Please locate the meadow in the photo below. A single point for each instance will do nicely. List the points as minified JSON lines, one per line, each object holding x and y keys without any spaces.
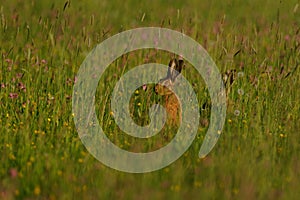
{"x":42,"y":45}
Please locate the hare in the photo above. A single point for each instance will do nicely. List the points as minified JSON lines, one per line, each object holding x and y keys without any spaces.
{"x":171,"y":101}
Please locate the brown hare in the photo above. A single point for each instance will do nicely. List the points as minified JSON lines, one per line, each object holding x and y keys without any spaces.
{"x":171,"y":102}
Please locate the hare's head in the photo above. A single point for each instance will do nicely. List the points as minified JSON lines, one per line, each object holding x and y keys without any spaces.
{"x":175,"y":67}
{"x":171,"y":101}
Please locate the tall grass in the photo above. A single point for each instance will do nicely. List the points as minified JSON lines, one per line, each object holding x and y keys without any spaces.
{"x":42,"y":45}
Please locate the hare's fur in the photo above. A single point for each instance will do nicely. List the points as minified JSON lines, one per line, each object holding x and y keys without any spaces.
{"x":171,"y":101}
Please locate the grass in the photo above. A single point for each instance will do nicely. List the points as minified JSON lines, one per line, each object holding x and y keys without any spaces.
{"x":42,"y":46}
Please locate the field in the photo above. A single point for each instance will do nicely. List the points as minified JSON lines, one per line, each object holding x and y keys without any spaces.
{"x":42,"y":45}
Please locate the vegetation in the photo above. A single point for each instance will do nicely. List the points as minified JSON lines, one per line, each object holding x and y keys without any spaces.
{"x":42,"y":45}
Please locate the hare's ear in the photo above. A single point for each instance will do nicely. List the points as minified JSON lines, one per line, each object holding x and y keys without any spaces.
{"x":173,"y":70}
{"x":180,"y":65}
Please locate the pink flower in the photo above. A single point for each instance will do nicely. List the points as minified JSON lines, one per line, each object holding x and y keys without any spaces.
{"x":22,"y":87}
{"x":13,"y":95}
{"x":8,"y":60}
{"x":144,"y":87}
{"x":13,"y":172}
{"x":287,"y":37}
{"x":19,"y":75}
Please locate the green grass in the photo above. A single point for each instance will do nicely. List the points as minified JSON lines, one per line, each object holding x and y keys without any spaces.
{"x":43,"y":43}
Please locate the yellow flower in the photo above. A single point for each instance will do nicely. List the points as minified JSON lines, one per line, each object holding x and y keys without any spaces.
{"x":17,"y":192}
{"x":175,"y":188}
{"x":12,"y":157}
{"x":235,"y":191}
{"x":197,"y":184}
{"x":59,"y":172}
{"x":139,"y":104}
{"x":282,"y":135}
{"x":37,"y":190}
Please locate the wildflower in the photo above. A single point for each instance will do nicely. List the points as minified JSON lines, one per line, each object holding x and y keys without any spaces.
{"x":235,"y":191}
{"x":287,"y":37}
{"x":240,"y":74}
{"x":13,"y":95}
{"x":8,"y":60}
{"x":69,"y":81}
{"x":3,"y":85}
{"x":17,"y":192}
{"x":59,"y":172}
{"x":50,"y":97}
{"x":13,"y":173}
{"x":136,"y":92}
{"x":240,"y":91}
{"x":144,"y":87}
{"x":43,"y":61}
{"x":139,"y":104}
{"x":22,"y":87}
{"x":37,"y":190}
{"x":282,"y":135}
{"x":197,"y":184}
{"x":24,"y":105}
{"x":237,"y":112}
{"x":19,"y":75}
{"x":175,"y":188}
